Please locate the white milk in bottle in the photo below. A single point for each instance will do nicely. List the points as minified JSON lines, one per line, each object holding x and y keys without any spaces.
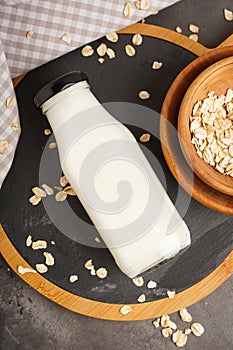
{"x":123,"y":197}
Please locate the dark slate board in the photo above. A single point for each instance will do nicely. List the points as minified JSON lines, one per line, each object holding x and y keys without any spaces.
{"x":116,"y":80}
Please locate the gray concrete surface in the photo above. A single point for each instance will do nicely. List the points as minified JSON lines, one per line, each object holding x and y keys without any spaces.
{"x":28,"y":321}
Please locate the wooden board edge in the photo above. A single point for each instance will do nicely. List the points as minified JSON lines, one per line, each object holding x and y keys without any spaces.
{"x":109,"y":311}
{"x":161,"y":33}
{"x":166,"y":34}
{"x":17,"y":80}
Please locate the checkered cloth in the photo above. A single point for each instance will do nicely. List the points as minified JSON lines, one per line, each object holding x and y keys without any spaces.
{"x":85,"y":20}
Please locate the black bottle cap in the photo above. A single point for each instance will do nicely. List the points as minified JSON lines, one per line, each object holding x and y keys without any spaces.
{"x":57,"y":85}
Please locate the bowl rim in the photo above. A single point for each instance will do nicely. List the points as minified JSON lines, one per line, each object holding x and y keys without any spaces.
{"x":202,"y":169}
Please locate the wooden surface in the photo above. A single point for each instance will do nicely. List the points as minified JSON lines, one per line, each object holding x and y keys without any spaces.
{"x":111,"y":310}
{"x":218,"y":78}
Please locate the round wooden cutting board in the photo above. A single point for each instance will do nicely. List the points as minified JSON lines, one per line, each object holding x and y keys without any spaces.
{"x":193,"y":274}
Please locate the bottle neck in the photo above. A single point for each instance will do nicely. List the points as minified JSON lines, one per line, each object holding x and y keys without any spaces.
{"x":63,"y":94}
{"x":65,"y":104}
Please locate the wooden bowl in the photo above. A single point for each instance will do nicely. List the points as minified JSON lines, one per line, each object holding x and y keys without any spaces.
{"x":218,"y":78}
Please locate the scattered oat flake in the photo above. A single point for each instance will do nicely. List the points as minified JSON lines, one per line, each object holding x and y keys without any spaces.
{"x":130,"y":50}
{"x":29,"y":34}
{"x":111,"y":53}
{"x":151,"y":284}
{"x":138,"y":4}
{"x":88,"y":265}
{"x":171,"y":325}
{"x":156,"y":323}
{"x":15,"y":127}
{"x":137,"y":39}
{"x":41,"y":268}
{"x":171,"y":294}
{"x":53,"y":243}
{"x":228,"y":14}
{"x":47,"y":132}
{"x":35,"y":200}
{"x":3,"y":145}
{"x":157,"y":65}
{"x":66,"y":37}
{"x":59,"y":188}
{"x":29,"y":241}
{"x":63,"y":181}
{"x":22,"y":270}
{"x":145,"y":138}
{"x":102,"y":272}
{"x":176,"y":335}
{"x":138,"y":281}
{"x":185,"y":315}
{"x":49,"y":259}
{"x":87,"y":51}
{"x":197,"y":329}
{"x":101,"y":60}
{"x":187,"y":331}
{"x":69,"y":190}
{"x":142,"y":4}
{"x":93,"y":271}
{"x":128,"y":10}
{"x":141,"y":298}
{"x":38,"y":192}
{"x":61,"y":196}
{"x":97,"y":240}
{"x":102,"y":49}
{"x":143,"y":21}
{"x":144,"y":95}
{"x":125,"y":309}
{"x":193,"y":37}
{"x":73,"y":278}
{"x":182,"y":340}
{"x":179,"y":29}
{"x":52,"y":145}
{"x":166,"y":332}
{"x":48,"y":189}
{"x":164,"y":320}
{"x":9,"y":101}
{"x":145,"y":4}
{"x":179,"y":338}
{"x":113,"y":37}
{"x":40,"y":244}
{"x":193,"y":28}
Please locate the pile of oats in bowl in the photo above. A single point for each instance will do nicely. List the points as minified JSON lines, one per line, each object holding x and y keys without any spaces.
{"x":211,"y":127}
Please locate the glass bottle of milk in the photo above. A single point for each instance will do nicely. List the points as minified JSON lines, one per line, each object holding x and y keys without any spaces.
{"x":112,"y":177}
